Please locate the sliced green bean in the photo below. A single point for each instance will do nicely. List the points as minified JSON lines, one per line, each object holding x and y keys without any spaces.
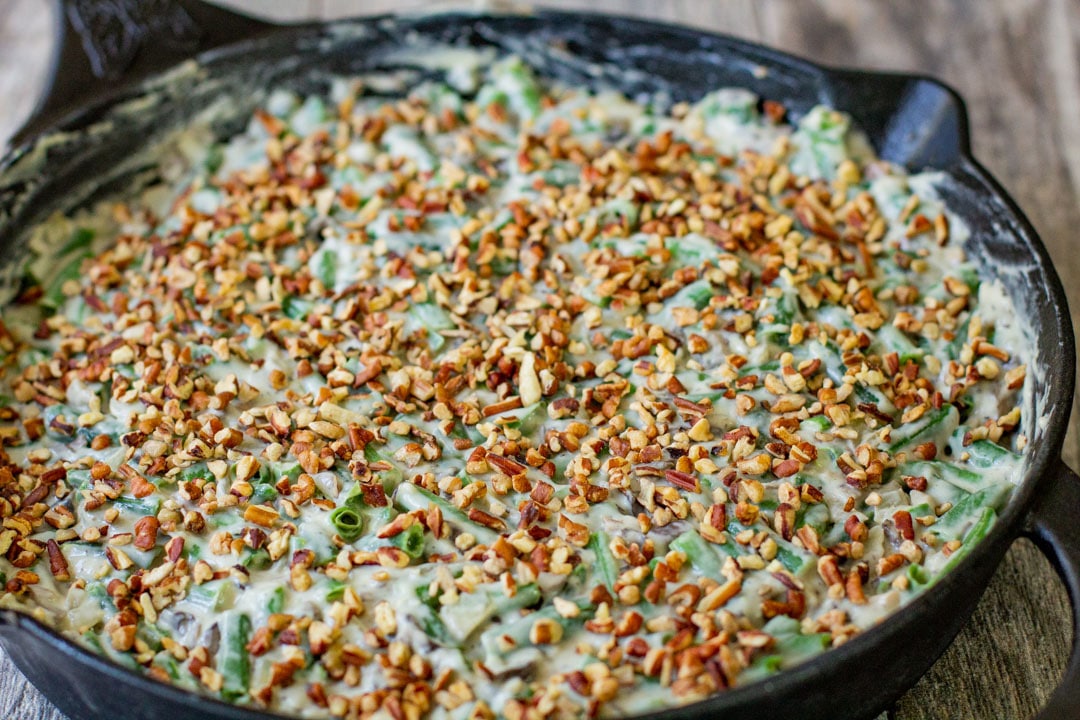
{"x":699,"y":552}
{"x":935,"y":425}
{"x":411,"y":541}
{"x":349,"y":523}
{"x":413,"y":497}
{"x":235,"y":661}
{"x":605,"y":566}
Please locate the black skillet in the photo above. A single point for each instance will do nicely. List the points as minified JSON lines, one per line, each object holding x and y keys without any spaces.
{"x":915,"y":121}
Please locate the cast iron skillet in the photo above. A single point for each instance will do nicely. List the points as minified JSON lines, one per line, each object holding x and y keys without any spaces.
{"x":910,"y":120}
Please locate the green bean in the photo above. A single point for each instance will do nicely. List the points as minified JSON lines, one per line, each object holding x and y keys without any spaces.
{"x":279,"y":470}
{"x":517,"y":81}
{"x":959,"y":477}
{"x":71,"y":270}
{"x":891,"y":339}
{"x":970,"y":510}
{"x":235,"y":661}
{"x":761,"y":667}
{"x":786,"y":306}
{"x":939,"y":423}
{"x":696,"y":294}
{"x":193,"y":472}
{"x":295,"y":307}
{"x":791,"y":557}
{"x":984,"y":454}
{"x":390,"y":477}
{"x":517,"y":632}
{"x":79,"y":479}
{"x":256,"y":559}
{"x":411,"y":541}
{"x":954,"y":348}
{"x":168,"y":663}
{"x":462,"y":619}
{"x":530,"y":420}
{"x":413,"y":497}
{"x":432,"y":318}
{"x":152,"y":635}
{"x":977,"y":532}
{"x":214,"y":596}
{"x":336,"y":591}
{"x":353,"y":497}
{"x":80,"y":239}
{"x":699,"y":552}
{"x":140,"y":506}
{"x":349,"y":523}
{"x":276,"y":603}
{"x":326,"y":270}
{"x":606,"y":566}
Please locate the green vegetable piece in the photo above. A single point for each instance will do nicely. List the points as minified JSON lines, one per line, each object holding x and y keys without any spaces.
{"x":699,"y":552}
{"x":235,"y":661}
{"x":413,"y":497}
{"x":215,"y":157}
{"x":815,"y":424}
{"x":431,"y":318}
{"x":194,"y":472}
{"x":791,"y":557}
{"x":985,"y":454}
{"x":696,"y":295}
{"x":518,"y":631}
{"x":326,"y":270}
{"x":71,"y":270}
{"x":966,"y":480}
{"x":935,"y":426}
{"x":214,"y":596}
{"x":349,"y":523}
{"x":970,"y":511}
{"x":516,"y":80}
{"x":285,"y":470}
{"x":354,"y":497}
{"x":276,"y":603}
{"x":786,"y":306}
{"x":411,"y":541}
{"x":761,"y":667}
{"x":79,"y":479}
{"x":978,"y":531}
{"x":296,"y":308}
{"x":605,"y":567}
{"x":140,"y":506}
{"x":918,"y":576}
{"x":80,"y":239}
{"x":336,"y":592}
{"x":892,"y":339}
{"x":391,"y":477}
{"x":168,"y":663}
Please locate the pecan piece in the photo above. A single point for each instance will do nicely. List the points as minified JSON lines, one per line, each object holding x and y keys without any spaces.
{"x":146,"y":529}
{"x":57,"y":562}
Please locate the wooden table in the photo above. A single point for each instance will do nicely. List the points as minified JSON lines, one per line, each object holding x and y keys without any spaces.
{"x":1016,"y":62}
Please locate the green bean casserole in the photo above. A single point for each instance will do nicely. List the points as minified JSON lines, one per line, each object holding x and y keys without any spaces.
{"x":500,"y":398}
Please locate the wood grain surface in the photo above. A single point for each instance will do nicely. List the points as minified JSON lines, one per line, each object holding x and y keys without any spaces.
{"x":1016,"y":64}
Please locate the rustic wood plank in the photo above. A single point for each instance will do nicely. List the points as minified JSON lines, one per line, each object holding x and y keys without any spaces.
{"x":25,"y":32}
{"x":1015,"y":62}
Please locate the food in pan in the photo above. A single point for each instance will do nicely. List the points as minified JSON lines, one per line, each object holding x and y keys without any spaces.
{"x":501,"y":399}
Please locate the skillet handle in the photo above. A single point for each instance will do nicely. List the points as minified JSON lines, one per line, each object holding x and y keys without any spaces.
{"x":102,"y":45}
{"x":1055,"y":529}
